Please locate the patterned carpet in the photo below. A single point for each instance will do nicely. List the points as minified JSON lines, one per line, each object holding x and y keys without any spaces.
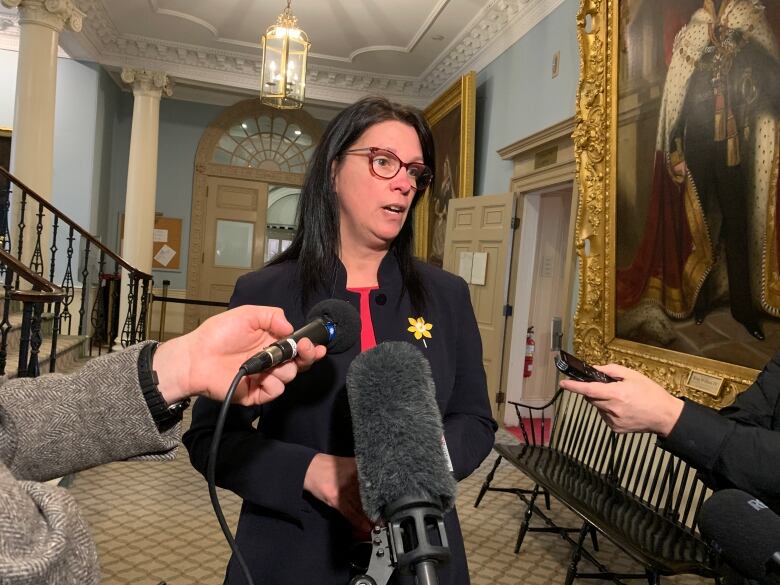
{"x":153,"y":521}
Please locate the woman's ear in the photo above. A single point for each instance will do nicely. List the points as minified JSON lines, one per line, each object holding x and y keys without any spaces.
{"x":334,"y":173}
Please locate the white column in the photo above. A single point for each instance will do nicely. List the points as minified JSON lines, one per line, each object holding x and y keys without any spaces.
{"x":32,"y":148}
{"x":140,"y":199}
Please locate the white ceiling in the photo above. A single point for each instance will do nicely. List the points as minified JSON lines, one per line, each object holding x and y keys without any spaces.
{"x":409,"y":50}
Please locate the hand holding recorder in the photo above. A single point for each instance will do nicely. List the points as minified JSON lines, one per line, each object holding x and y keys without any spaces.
{"x":628,"y":401}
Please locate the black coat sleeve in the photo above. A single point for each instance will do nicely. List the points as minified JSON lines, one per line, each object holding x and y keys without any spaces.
{"x":738,"y":446}
{"x":264,"y":471}
{"x":469,"y":428}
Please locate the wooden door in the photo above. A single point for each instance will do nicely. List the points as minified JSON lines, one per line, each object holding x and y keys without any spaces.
{"x":234,"y":236}
{"x":548,"y":297}
{"x":484,"y":224}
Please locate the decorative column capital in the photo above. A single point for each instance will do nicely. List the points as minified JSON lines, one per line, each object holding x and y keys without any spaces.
{"x":54,"y":14}
{"x":147,"y":83}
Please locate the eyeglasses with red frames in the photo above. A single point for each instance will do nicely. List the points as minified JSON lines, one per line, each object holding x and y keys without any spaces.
{"x":384,"y":164}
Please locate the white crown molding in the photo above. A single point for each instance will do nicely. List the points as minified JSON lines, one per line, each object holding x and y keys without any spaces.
{"x":53,"y":14}
{"x":491,"y":32}
{"x":494,"y":29}
{"x":10,"y":33}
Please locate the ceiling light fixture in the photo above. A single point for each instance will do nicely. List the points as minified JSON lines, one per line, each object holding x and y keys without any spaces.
{"x":283,"y":71}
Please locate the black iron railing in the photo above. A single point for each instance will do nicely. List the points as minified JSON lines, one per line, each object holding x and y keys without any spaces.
{"x":164,"y":299}
{"x":101,"y":322}
{"x":40,"y":292}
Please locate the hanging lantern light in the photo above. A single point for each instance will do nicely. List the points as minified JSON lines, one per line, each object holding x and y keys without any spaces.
{"x":283,"y":72}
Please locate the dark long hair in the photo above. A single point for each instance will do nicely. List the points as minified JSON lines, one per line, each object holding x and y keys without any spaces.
{"x":315,"y":247}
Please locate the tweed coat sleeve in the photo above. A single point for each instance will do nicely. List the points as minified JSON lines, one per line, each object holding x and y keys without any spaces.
{"x":54,"y":425}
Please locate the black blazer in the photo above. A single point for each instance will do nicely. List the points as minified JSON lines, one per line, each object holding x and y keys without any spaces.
{"x":286,"y":535}
{"x":738,"y":446}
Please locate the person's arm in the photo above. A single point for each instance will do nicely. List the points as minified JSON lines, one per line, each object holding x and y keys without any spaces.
{"x":729,"y":448}
{"x":57,"y":424}
{"x":469,"y":428}
{"x":44,"y":538}
{"x":61,"y":423}
{"x":736,"y":446}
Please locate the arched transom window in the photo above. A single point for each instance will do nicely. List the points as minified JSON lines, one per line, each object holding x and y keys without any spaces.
{"x":268,"y":142}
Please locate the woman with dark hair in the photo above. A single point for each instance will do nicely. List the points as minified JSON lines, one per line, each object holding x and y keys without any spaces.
{"x":295,"y":469}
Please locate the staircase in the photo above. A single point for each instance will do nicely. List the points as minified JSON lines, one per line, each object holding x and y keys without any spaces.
{"x":47,"y":326}
{"x":72,"y":350}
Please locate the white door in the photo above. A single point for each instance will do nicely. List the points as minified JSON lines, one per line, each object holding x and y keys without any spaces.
{"x":484,"y":224}
{"x":234,"y":236}
{"x":548,"y":292}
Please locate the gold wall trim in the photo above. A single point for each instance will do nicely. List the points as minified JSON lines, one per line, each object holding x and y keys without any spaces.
{"x":462,"y":93}
{"x":595,"y":139}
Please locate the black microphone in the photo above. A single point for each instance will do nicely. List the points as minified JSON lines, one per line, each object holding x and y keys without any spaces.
{"x":402,"y":467}
{"x":332,"y":322}
{"x":744,"y":530}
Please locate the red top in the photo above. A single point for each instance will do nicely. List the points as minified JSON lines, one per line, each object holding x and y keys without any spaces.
{"x":367,"y":338}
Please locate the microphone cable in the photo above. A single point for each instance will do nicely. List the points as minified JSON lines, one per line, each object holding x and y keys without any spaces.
{"x":211,"y":474}
{"x":327,"y":315}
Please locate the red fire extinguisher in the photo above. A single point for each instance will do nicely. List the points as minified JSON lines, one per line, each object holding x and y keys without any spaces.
{"x":529,"y":353}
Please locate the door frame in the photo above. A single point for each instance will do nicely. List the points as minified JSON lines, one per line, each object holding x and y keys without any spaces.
{"x":205,"y":168}
{"x":542,"y":163}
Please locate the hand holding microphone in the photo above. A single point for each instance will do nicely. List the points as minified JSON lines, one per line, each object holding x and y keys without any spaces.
{"x":331,"y":322}
{"x":204,"y":361}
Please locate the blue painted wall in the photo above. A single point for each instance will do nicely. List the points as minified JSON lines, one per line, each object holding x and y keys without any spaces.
{"x":181,"y":126}
{"x":8,"y":61}
{"x":75,"y":124}
{"x":517,"y":95}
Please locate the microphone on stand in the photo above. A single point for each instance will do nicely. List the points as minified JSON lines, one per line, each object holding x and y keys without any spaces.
{"x":745,"y":531}
{"x":402,"y":467}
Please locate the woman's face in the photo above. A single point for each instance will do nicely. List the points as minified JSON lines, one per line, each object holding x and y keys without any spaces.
{"x":372,"y":209}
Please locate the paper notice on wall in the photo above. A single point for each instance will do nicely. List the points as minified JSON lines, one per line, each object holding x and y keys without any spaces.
{"x":465,"y":259}
{"x":160,"y":236}
{"x":165,"y":255}
{"x":479,"y":268}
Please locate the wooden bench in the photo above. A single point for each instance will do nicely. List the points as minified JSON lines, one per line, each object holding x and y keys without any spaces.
{"x":625,"y":487}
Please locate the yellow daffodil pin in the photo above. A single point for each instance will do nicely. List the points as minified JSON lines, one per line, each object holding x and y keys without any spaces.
{"x":420,"y":328}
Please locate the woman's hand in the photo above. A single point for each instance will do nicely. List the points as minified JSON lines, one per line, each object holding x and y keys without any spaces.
{"x":334,"y":481}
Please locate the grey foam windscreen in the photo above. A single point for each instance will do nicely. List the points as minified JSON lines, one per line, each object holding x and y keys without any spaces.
{"x":745,"y":529}
{"x":346,"y":319}
{"x":397,"y":428}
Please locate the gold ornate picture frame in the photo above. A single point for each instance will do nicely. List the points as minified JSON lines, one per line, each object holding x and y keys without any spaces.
{"x":452,"y":118}
{"x":599,"y":120}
